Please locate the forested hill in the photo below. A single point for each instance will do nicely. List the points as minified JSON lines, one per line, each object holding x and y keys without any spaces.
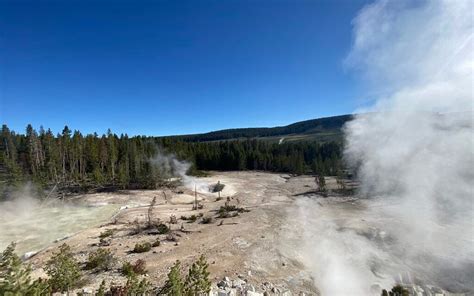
{"x":72,"y":159}
{"x":322,"y":129}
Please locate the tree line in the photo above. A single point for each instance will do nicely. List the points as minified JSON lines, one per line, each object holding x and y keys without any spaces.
{"x":72,"y":159}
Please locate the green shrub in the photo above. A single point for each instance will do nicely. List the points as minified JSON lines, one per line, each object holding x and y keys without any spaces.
{"x":227,"y":211}
{"x":127,"y":268}
{"x":138,"y":268}
{"x":156,"y":243}
{"x":162,"y":228}
{"x":63,"y":270}
{"x":101,"y":259}
{"x":141,"y":248}
{"x":218,"y":187}
{"x":107,"y":233}
{"x":190,"y":219}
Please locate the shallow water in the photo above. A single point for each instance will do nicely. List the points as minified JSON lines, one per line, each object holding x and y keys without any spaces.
{"x":33,"y":225}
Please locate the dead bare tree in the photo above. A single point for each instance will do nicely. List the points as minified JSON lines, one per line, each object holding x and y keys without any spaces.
{"x":150,"y":212}
{"x":173,"y":219}
{"x":195,"y":205}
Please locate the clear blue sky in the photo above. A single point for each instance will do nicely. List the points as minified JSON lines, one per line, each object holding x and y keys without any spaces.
{"x":173,"y":67}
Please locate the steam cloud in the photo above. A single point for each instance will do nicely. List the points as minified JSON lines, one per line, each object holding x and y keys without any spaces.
{"x":413,"y":151}
{"x":416,"y":146}
{"x":170,"y":166}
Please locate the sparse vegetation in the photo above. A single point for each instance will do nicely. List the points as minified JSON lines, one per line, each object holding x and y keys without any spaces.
{"x":101,"y":290}
{"x":228,"y":211}
{"x":142,"y":248}
{"x":162,"y":228}
{"x":63,"y":270}
{"x":127,"y":268}
{"x":133,"y":287}
{"x":156,"y":243}
{"x":138,"y":268}
{"x":136,"y":227}
{"x":104,"y":242}
{"x":101,"y":260}
{"x":190,"y":219}
{"x":107,"y":233}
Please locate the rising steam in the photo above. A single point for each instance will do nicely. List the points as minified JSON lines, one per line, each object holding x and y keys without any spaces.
{"x":170,"y":166}
{"x":413,"y":152}
{"x":416,"y":146}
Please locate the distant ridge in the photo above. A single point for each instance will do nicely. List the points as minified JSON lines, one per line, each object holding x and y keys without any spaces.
{"x":322,"y":129}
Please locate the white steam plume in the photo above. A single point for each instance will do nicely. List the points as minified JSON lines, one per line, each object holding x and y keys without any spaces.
{"x":170,"y":166}
{"x":413,"y":150}
{"x":416,"y":146}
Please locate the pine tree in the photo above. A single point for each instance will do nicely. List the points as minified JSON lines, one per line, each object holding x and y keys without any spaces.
{"x":112,"y":153}
{"x":15,"y":277}
{"x":101,"y":291}
{"x":197,"y":280}
{"x":174,"y":285}
{"x":8,"y":157}
{"x":63,"y":270}
{"x":35,"y":151}
{"x":65,"y":140}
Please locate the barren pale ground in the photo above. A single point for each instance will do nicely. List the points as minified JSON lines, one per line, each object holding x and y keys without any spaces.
{"x":277,"y":241}
{"x":247,"y":244}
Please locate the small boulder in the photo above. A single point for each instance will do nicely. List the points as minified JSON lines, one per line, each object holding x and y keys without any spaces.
{"x":238,"y":283}
{"x":249,"y":288}
{"x":223,"y":284}
{"x":87,"y":291}
{"x":250,"y":293}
